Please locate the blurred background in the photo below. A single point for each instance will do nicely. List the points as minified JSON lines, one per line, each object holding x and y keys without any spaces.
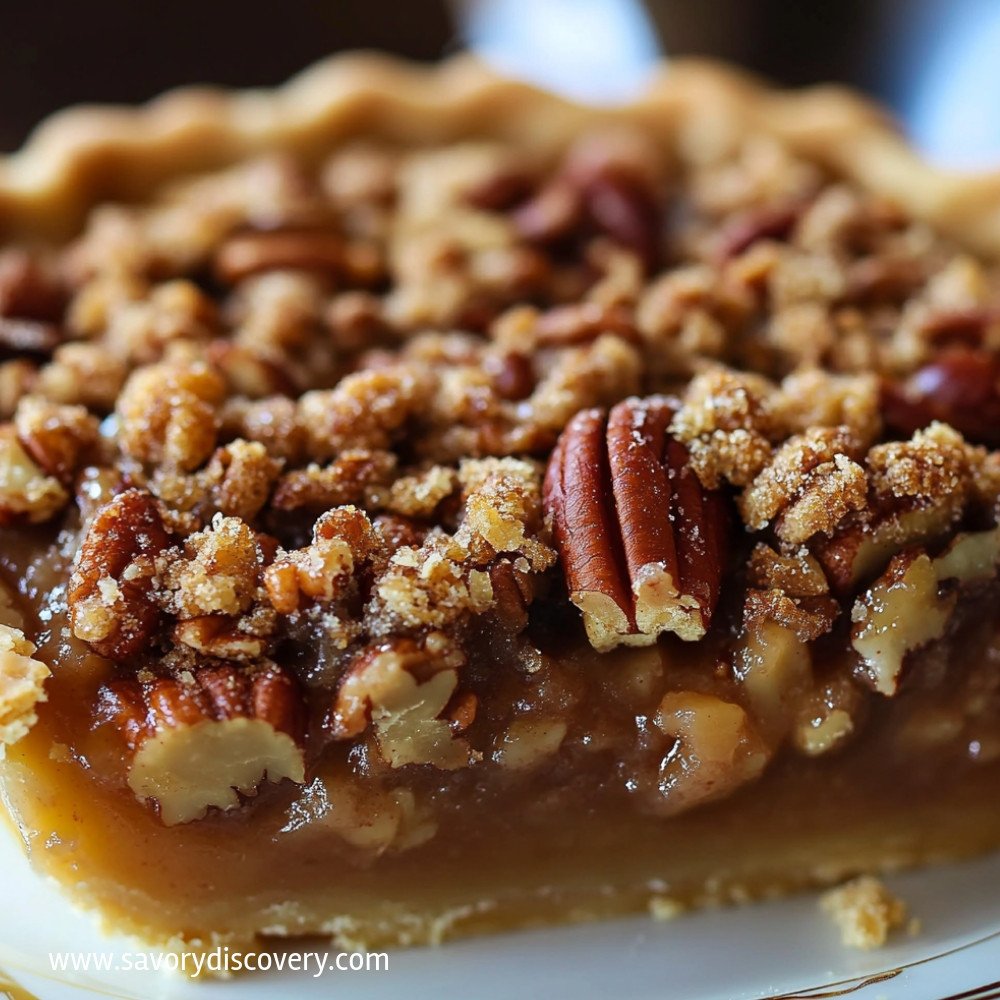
{"x":936,"y":63}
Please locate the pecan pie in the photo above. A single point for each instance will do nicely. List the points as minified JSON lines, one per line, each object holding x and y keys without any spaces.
{"x":430,"y":507}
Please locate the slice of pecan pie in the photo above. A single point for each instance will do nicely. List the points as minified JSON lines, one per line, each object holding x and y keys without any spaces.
{"x":430,"y":507}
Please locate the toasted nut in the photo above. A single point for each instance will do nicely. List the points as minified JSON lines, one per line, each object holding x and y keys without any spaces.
{"x":500,"y":190}
{"x":828,"y":716}
{"x":167,"y":414}
{"x":247,"y":372}
{"x":343,"y":540}
{"x":361,"y":814}
{"x":859,"y":551}
{"x":798,"y":574}
{"x":22,"y":680}
{"x":583,"y":322}
{"x":626,"y":478}
{"x":529,"y":742}
{"x":717,"y":749}
{"x":971,"y":557}
{"x":961,"y":388}
{"x":774,"y":665}
{"x":402,"y":688}
{"x":899,"y":613}
{"x":343,"y":481}
{"x":57,"y":437}
{"x":202,"y":741}
{"x":511,"y":594}
{"x":550,"y":214}
{"x":26,"y":492}
{"x":251,"y":253}
{"x":512,"y":375}
{"x":111,"y":603}
{"x":216,"y":571}
{"x":906,"y":608}
{"x":622,"y":205}
{"x":810,"y":485}
{"x":219,"y":636}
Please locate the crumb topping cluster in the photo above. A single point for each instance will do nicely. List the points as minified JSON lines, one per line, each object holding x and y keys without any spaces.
{"x":298,"y":419}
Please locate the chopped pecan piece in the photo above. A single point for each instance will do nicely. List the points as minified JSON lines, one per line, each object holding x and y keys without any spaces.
{"x":605,"y":185}
{"x":899,"y":613}
{"x":167,"y":414}
{"x":221,"y":637}
{"x":215,"y":571}
{"x":250,"y":253}
{"x":512,"y":374}
{"x":907,"y":607}
{"x":201,"y":741}
{"x":642,"y":541}
{"x":773,"y":663}
{"x":919,"y":490}
{"x":111,"y":601}
{"x":811,"y":483}
{"x":716,"y":749}
{"x":57,"y":437}
{"x":550,"y":214}
{"x":343,"y":481}
{"x":727,"y":422}
{"x":343,"y":541}
{"x":26,"y":492}
{"x":402,"y":688}
{"x":828,"y":716}
{"x":22,"y":680}
{"x":585,"y":321}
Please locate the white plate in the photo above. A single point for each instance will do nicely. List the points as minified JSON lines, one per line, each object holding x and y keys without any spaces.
{"x":768,"y":950}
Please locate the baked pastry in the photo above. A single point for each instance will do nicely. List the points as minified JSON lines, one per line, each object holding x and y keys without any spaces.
{"x":431,"y":507}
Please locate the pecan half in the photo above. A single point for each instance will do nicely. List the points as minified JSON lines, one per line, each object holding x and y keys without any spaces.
{"x":251,"y":253}
{"x":960,"y":387}
{"x":642,"y":541}
{"x":111,"y":604}
{"x":205,"y":739}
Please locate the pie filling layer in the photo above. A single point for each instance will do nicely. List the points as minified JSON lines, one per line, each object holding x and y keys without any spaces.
{"x":452,"y":539}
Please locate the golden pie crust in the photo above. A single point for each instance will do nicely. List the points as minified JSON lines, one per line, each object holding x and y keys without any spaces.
{"x":85,"y":154}
{"x":720,"y":541}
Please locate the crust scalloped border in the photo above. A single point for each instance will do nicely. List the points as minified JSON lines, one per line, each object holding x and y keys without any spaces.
{"x":83,"y":155}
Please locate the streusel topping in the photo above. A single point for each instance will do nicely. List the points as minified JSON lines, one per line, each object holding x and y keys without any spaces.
{"x":294,"y":423}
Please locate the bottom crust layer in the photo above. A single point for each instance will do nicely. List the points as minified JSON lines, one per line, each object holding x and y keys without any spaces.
{"x":801,"y":826}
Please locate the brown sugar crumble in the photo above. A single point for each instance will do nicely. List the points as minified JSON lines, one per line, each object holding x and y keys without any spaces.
{"x":866,"y":912}
{"x":350,"y":456}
